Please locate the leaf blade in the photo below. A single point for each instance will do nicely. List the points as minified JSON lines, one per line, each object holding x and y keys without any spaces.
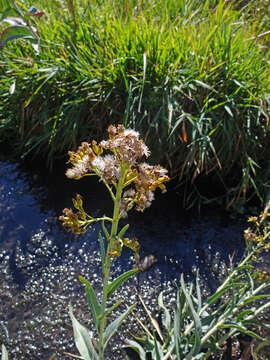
{"x":92,"y":300}
{"x":82,"y":339}
{"x":4,"y":353}
{"x":115,"y":284}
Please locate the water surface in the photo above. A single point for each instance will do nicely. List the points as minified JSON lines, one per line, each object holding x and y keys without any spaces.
{"x":40,"y":262}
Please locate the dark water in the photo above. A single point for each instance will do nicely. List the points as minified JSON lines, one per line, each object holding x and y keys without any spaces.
{"x":40,"y":263}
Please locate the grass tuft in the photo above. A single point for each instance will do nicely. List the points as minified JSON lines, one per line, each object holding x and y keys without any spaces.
{"x":193,"y":77}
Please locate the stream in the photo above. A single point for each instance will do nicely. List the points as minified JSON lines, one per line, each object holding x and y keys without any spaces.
{"x":40,"y":262}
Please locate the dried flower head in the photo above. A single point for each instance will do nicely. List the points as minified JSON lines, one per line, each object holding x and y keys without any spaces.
{"x":125,"y":144}
{"x":260,"y":235}
{"x":81,"y":161}
{"x":107,"y":167}
{"x":73,"y":221}
{"x":119,"y":170}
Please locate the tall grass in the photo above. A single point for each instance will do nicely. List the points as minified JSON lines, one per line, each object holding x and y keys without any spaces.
{"x":191,"y":76}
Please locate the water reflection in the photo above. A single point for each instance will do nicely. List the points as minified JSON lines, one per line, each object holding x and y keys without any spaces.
{"x":40,"y":263}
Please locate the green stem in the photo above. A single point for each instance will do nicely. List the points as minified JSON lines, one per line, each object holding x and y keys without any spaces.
{"x":107,"y":267}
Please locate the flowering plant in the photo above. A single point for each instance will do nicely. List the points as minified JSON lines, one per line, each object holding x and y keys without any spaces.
{"x":232,"y":320}
{"x":130,"y":184}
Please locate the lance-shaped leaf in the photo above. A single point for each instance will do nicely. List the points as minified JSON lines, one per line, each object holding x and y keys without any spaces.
{"x":198,"y":326}
{"x":217,"y":295}
{"x":116,"y":283}
{"x":113,"y":326}
{"x":241,"y":329}
{"x":176,"y":332}
{"x":255,"y":298}
{"x":123,"y":231}
{"x":92,"y":300}
{"x":157,"y":351}
{"x":82,"y":339}
{"x":106,"y":233}
{"x":114,"y":306}
{"x":166,"y":319}
{"x":4,"y":353}
{"x":198,"y":290}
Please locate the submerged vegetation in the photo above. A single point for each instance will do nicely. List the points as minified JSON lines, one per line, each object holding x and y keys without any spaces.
{"x":191,"y":76}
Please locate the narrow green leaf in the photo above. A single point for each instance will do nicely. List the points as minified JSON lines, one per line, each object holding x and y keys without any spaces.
{"x":254,"y":298}
{"x":204,"y":85}
{"x":106,"y":233}
{"x":114,"y":285}
{"x":176,"y":332}
{"x":82,"y":339}
{"x":190,"y":304}
{"x":114,"y":306}
{"x":178,"y":123}
{"x":251,"y":282}
{"x":113,"y":326}
{"x":198,"y":291}
{"x":217,"y":295}
{"x":166,"y":319}
{"x":4,"y":353}
{"x":228,"y":109}
{"x":198,"y":326}
{"x":47,"y":78}
{"x":143,"y":81}
{"x":157,"y":351}
{"x":123,"y":230}
{"x":92,"y":300}
{"x":243,"y":314}
{"x":242,"y":330}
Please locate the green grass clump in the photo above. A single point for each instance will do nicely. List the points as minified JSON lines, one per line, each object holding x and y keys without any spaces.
{"x":193,"y":77}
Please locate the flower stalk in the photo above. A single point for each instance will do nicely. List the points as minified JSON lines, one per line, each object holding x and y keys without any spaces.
{"x":131,"y":185}
{"x":110,"y":250}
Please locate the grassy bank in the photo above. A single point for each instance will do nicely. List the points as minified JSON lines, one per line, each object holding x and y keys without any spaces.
{"x":193,"y":77}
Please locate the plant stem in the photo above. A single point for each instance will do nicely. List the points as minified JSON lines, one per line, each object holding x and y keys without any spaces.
{"x":107,"y":267}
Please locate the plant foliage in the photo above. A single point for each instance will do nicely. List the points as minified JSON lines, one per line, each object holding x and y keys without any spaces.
{"x":202,"y":328}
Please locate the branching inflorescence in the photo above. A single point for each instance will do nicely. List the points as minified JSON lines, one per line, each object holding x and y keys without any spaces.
{"x":131,"y":185}
{"x":137,"y":181}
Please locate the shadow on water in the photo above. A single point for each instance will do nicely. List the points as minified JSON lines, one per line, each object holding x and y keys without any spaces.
{"x":40,"y":263}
